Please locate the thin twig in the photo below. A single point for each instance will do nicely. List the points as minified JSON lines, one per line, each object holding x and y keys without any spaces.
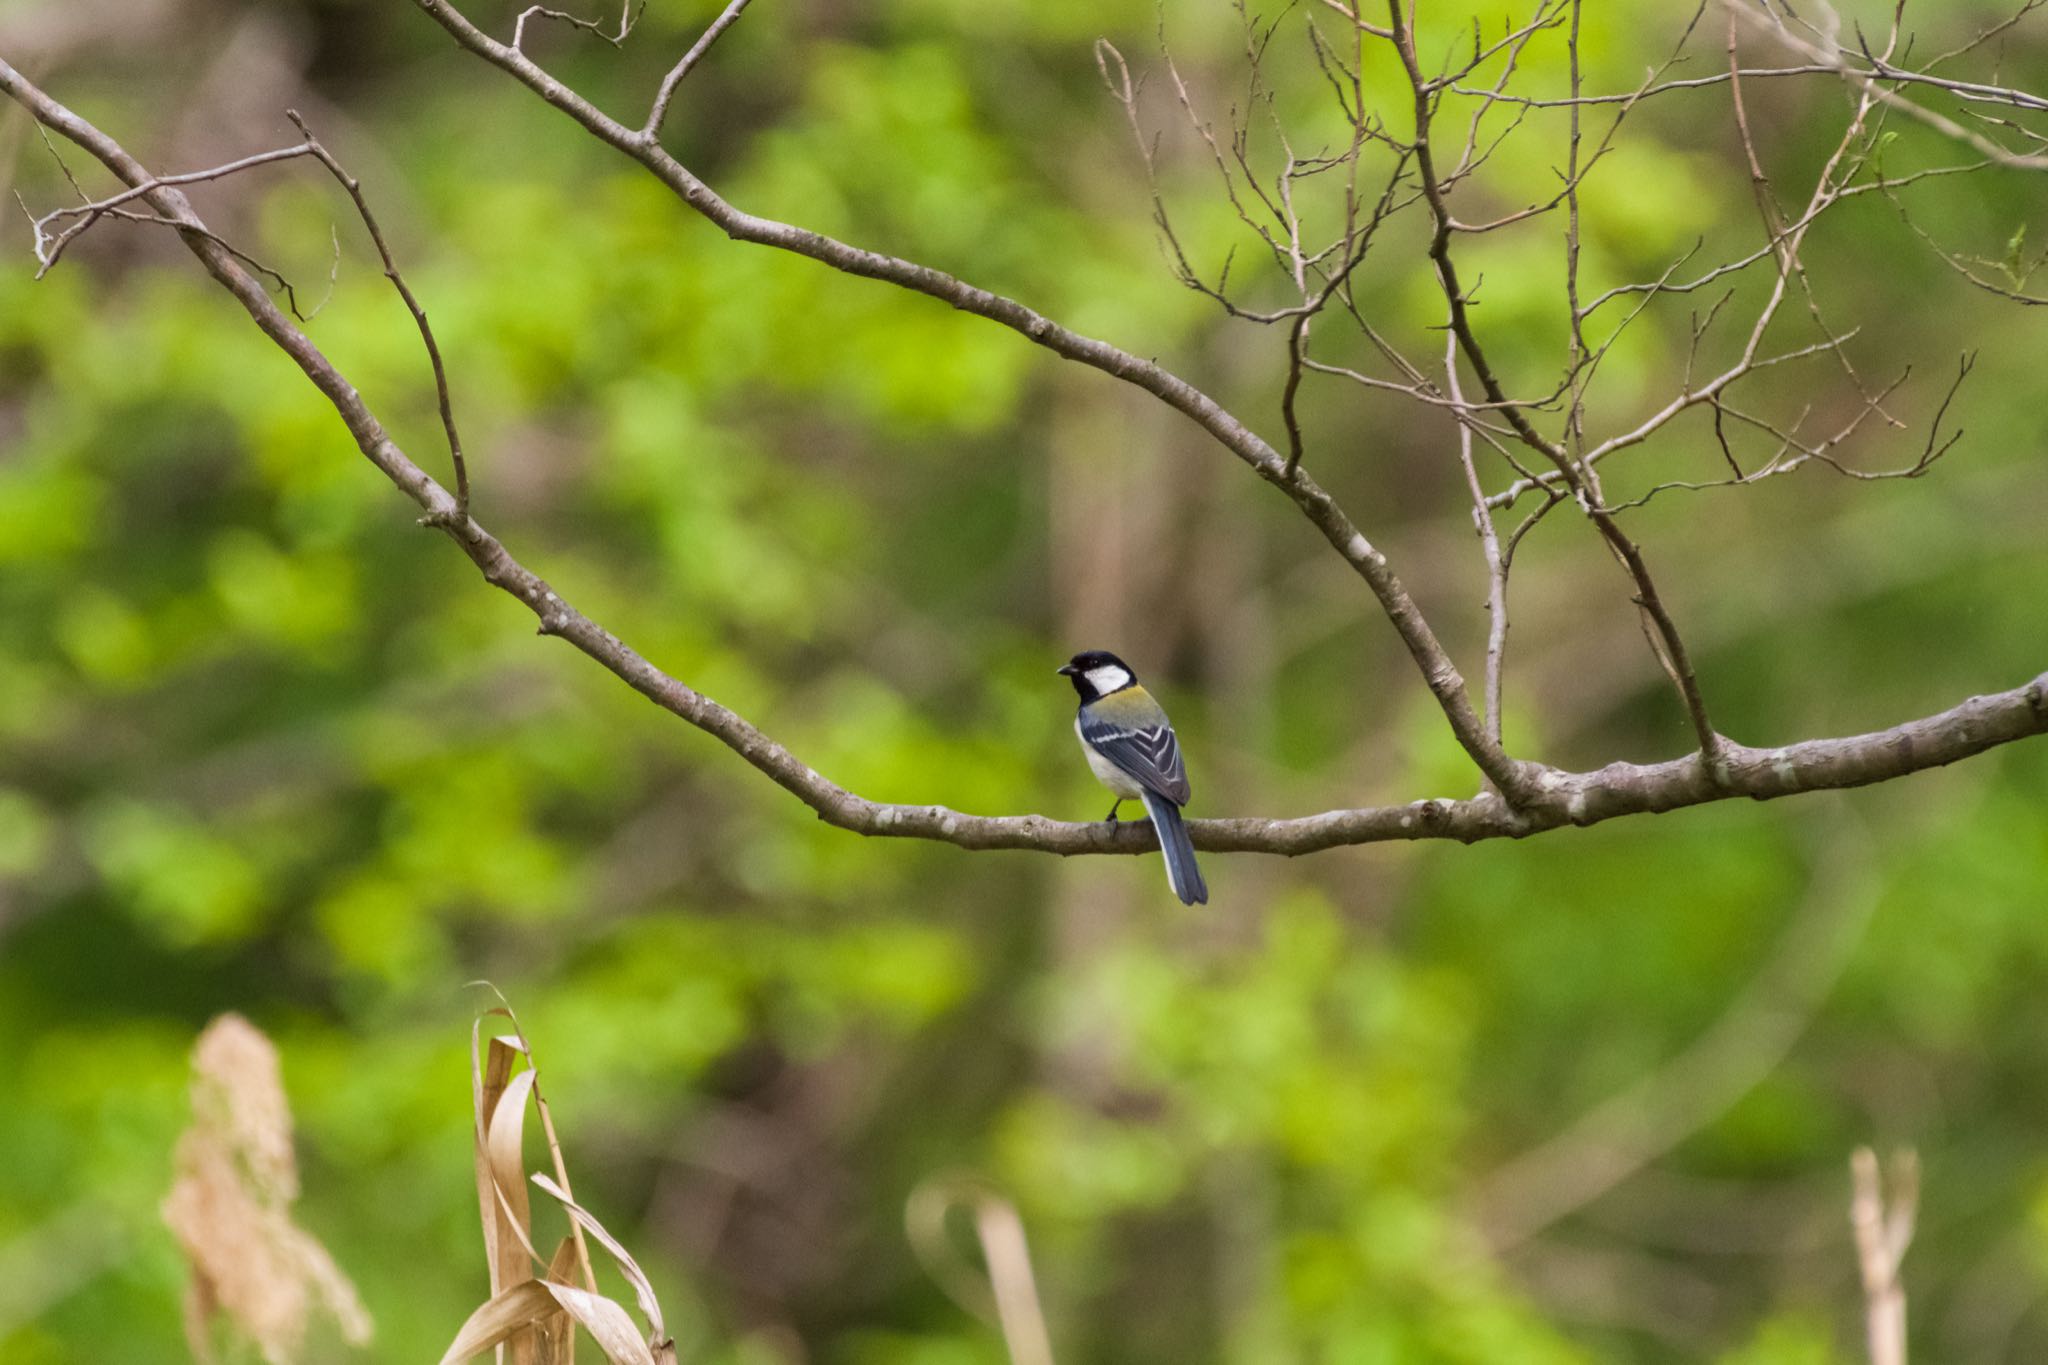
{"x":1669,"y":648}
{"x":658,"y":115}
{"x":629,"y":15}
{"x":49,"y":247}
{"x":1489,"y":545}
{"x":419,"y":315}
{"x":1874,"y":84}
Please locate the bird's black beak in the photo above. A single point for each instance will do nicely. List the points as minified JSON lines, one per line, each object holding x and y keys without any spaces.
{"x":1066,"y":670}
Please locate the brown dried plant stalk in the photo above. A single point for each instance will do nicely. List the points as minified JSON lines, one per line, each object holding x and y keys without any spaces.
{"x":529,"y":1318}
{"x":255,"y":1272}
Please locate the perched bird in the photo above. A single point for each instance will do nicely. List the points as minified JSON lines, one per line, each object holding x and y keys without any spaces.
{"x":1131,"y":747}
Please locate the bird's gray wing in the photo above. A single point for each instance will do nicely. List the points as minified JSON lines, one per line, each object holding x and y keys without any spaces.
{"x":1148,"y":752}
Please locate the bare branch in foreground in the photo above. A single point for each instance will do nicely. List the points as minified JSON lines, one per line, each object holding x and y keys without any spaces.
{"x":51,"y":240}
{"x":1010,"y":1294}
{"x":1883,"y":1231}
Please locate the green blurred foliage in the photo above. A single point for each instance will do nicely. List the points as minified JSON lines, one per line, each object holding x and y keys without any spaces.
{"x":265,"y":745}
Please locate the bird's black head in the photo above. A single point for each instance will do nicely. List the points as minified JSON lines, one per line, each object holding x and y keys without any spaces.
{"x":1097,"y":673}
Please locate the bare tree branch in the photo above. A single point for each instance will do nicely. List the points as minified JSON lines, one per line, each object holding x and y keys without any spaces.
{"x":49,"y":249}
{"x":1873,"y":77}
{"x":629,"y":15}
{"x":669,"y":83}
{"x":1669,"y":647}
{"x":1529,"y":797}
{"x":1512,"y":777}
{"x":412,"y":305}
{"x":1497,"y":564}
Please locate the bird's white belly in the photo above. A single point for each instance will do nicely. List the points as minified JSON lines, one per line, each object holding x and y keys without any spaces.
{"x":1106,"y":772}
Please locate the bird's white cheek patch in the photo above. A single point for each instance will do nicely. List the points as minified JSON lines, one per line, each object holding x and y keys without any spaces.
{"x":1108,"y":678}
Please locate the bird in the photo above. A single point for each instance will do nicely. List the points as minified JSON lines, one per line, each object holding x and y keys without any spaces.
{"x":1132,"y":749}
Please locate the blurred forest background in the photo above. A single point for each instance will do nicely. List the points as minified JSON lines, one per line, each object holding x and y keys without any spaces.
{"x":267,"y":746}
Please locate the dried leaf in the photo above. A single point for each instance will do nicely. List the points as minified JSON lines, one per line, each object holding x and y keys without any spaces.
{"x":513,"y":1315}
{"x":510,"y":1313}
{"x":608,"y":1324}
{"x":643,"y":1291}
{"x":532,"y":1322}
{"x":1010,"y":1289}
{"x":487,"y":1079}
{"x":516,"y":1255}
{"x":562,"y":1267}
{"x":508,"y":1172}
{"x":503,"y":1049}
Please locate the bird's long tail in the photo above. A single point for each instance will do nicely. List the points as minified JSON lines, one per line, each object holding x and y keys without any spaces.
{"x":1181,"y":872}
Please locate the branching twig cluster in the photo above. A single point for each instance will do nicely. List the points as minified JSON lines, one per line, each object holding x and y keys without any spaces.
{"x":57,"y":229}
{"x":1565,"y":463}
{"x":1412,"y":159}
